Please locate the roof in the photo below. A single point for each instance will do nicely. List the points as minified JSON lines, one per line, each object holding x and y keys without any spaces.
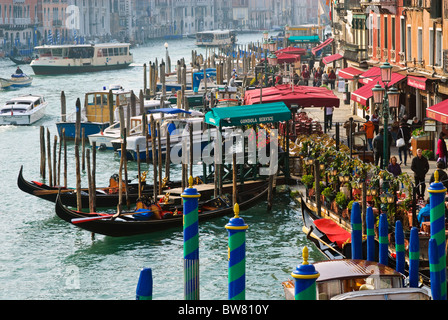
{"x":88,"y":45}
{"x":248,"y":114}
{"x":303,"y":96}
{"x":350,"y":268}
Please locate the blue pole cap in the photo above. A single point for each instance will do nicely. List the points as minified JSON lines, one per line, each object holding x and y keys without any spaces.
{"x":305,"y":270}
{"x":236,"y":223}
{"x":144,"y":286}
{"x":190,"y":192}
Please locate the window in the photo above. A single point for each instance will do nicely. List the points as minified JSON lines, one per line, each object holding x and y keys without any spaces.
{"x":402,"y":34}
{"x":370,"y":30}
{"x":386,"y":29}
{"x":420,"y":45}
{"x":378,"y":33}
{"x":409,"y":48}
{"x":393,"y":33}
{"x":439,"y":47}
{"x":431,"y":47}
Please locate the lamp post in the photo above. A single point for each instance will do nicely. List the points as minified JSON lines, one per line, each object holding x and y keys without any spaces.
{"x":389,"y":99}
{"x":167,"y":66}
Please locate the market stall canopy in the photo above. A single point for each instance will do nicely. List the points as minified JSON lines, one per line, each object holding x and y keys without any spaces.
{"x":321,"y":46}
{"x":303,"y":96}
{"x":330,"y":59}
{"x":283,"y":58}
{"x":248,"y":115}
{"x":370,"y":76}
{"x":438,"y":112}
{"x":292,"y":50}
{"x":349,"y":73}
{"x":363,"y":94}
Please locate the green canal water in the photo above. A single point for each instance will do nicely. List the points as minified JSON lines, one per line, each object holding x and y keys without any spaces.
{"x":43,"y":257}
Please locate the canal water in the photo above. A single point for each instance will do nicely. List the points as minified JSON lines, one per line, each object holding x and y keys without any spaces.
{"x":43,"y":257}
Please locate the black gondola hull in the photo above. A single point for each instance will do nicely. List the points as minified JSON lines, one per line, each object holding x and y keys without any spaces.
{"x":119,"y":228}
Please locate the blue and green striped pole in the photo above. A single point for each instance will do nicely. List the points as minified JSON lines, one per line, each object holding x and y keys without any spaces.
{"x":305,"y":276}
{"x":383,"y":240}
{"x":434,"y":272}
{"x":144,"y":285}
{"x":237,"y":256}
{"x":437,"y":192}
{"x":356,"y":224}
{"x":414,"y":258}
{"x":190,"y":198}
{"x":370,"y":230}
{"x":399,"y":247}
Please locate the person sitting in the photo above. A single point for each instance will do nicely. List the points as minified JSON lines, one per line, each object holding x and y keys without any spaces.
{"x":423,"y":214}
{"x":19,"y":71}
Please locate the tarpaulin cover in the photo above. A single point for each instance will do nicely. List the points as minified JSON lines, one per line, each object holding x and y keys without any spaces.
{"x":371,"y":75}
{"x":286,"y":58}
{"x":330,"y":59}
{"x":333,"y":231}
{"x":292,"y":50}
{"x":303,"y":96}
{"x":349,"y":73}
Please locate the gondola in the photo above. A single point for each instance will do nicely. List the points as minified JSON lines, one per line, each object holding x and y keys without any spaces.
{"x":128,"y":225}
{"x":20,"y":60}
{"x":329,"y":237}
{"x":68,"y":196}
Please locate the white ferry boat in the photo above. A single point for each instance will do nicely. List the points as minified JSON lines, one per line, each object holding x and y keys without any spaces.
{"x":61,"y":59}
{"x":23,"y":110}
{"x":215,"y":38}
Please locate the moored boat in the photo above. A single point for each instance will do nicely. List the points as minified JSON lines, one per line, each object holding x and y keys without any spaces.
{"x":16,"y":81}
{"x":23,"y":110}
{"x":215,"y":38}
{"x":356,"y":279}
{"x":20,"y":60}
{"x":128,"y":225}
{"x":63,"y":59}
{"x":96,"y":114}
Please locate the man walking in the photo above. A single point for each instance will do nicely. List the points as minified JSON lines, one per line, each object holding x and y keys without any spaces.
{"x":369,"y":129}
{"x":420,"y":167}
{"x":378,"y":143}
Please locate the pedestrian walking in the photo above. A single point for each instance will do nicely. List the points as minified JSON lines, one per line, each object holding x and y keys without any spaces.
{"x":378,"y":143}
{"x":441,"y":152}
{"x":329,"y":117}
{"x":420,"y":167}
{"x":332,"y":79}
{"x":369,"y":129}
{"x":404,"y":132}
{"x":347,"y":130}
{"x":394,"y":167}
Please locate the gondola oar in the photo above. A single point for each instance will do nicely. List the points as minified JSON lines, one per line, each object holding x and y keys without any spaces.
{"x":81,"y":220}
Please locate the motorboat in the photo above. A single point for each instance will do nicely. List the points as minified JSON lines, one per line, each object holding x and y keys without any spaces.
{"x":23,"y":110}
{"x":103,"y":140}
{"x":16,"y":81}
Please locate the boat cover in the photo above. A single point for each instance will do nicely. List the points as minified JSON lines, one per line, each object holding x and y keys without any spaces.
{"x":333,"y":231}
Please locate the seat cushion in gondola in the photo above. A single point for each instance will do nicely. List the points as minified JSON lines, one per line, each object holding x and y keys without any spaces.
{"x":333,"y":231}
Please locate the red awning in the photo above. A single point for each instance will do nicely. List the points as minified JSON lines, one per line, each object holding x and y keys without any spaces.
{"x":349,"y":73}
{"x":438,"y":112}
{"x":303,"y":96}
{"x":321,"y":46}
{"x":286,"y":58}
{"x":292,"y":50}
{"x":371,"y":75}
{"x":332,"y":58}
{"x":363,"y":94}
{"x":417,"y":82}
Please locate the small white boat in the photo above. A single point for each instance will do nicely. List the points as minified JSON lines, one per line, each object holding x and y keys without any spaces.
{"x":23,"y":110}
{"x":104,"y":139}
{"x":16,"y":81}
{"x":350,"y":279}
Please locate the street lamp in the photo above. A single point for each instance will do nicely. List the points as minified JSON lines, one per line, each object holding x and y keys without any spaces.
{"x":389,"y":99}
{"x":167,"y":66}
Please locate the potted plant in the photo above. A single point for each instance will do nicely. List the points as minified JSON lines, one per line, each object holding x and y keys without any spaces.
{"x":308,"y":180}
{"x":329,"y":195}
{"x":341,"y":201}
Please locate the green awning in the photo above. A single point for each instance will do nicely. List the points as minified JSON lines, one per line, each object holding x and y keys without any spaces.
{"x":304,"y":39}
{"x":248,"y":114}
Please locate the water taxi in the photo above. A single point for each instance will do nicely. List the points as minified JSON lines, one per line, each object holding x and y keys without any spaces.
{"x":352,"y":279}
{"x":62,"y":59}
{"x":96,"y":115}
{"x":23,"y":110}
{"x":215,"y":38}
{"x":16,"y":81}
